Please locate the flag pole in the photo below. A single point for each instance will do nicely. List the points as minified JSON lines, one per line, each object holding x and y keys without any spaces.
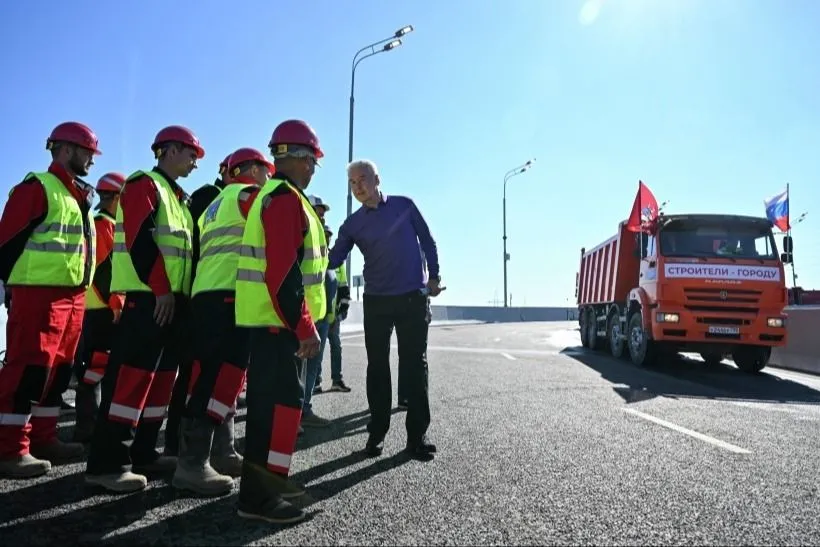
{"x":789,"y":233}
{"x":640,"y":223}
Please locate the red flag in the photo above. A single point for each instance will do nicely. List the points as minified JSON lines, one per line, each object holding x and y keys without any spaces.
{"x":644,"y":210}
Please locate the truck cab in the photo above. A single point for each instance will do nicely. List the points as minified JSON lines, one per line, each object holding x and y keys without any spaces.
{"x":710,"y":284}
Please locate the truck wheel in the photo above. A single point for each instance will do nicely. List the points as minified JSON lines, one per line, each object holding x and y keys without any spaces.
{"x":752,"y":359}
{"x":582,"y":324}
{"x":614,"y":334}
{"x":592,"y":330}
{"x":641,"y":348}
{"x":712,"y":359}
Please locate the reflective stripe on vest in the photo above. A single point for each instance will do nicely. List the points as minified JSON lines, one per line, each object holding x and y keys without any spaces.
{"x":172,"y":236}
{"x":221,"y":227}
{"x":254,"y":307}
{"x":92,"y":298}
{"x":60,"y":252}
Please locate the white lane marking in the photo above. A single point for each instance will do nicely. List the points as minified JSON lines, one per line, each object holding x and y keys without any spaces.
{"x":496,"y":351}
{"x":496,"y":339}
{"x":508,"y":356}
{"x":694,"y":434}
{"x":351,"y":336}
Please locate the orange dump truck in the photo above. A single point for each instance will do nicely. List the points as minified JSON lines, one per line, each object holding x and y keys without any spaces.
{"x":708,"y":284}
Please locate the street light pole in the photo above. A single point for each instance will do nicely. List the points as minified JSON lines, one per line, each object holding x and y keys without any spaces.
{"x":387,"y":44}
{"x":510,"y":174}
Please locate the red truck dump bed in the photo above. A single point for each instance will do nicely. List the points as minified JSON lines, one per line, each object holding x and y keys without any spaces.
{"x":609,"y":271}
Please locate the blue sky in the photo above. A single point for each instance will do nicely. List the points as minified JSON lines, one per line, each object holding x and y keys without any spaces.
{"x":713,"y":103}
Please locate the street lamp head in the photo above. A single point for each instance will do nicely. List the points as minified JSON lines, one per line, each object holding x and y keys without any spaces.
{"x":391,"y":45}
{"x":403,"y":30}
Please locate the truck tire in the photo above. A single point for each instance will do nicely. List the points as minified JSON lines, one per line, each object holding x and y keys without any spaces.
{"x":617,"y":344}
{"x":752,"y":359}
{"x":582,"y":324}
{"x":641,"y":348}
{"x":712,"y":359}
{"x":592,"y":330}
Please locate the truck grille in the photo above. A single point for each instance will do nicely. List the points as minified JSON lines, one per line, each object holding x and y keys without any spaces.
{"x":722,"y":300}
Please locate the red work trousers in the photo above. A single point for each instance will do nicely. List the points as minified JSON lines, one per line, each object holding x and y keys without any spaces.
{"x":220,"y":357}
{"x":42,"y":334}
{"x":137,"y":385}
{"x":276,"y":392}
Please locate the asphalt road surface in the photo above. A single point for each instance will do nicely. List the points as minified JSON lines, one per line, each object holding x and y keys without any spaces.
{"x":540,"y":442}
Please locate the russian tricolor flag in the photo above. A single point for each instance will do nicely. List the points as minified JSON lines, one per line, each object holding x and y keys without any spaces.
{"x":777,"y":210}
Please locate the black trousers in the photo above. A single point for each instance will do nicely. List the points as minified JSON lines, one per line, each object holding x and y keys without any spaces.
{"x":99,"y":332}
{"x":409,"y":314}
{"x":275,"y":394}
{"x":137,"y":385}
{"x":220,"y":357}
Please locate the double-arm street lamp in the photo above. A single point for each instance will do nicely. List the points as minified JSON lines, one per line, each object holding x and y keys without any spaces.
{"x":387,"y":44}
{"x":510,"y":174}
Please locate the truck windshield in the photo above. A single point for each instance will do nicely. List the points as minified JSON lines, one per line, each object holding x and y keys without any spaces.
{"x":726,"y":240}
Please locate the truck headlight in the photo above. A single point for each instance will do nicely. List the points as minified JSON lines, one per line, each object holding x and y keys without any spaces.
{"x":775,"y":322}
{"x":667,"y":317}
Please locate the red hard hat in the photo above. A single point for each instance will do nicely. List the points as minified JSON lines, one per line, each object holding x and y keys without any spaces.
{"x":247,"y":154}
{"x":295,"y":132}
{"x":74,"y":133}
{"x":223,"y":165}
{"x":111,"y":182}
{"x":180,"y":134}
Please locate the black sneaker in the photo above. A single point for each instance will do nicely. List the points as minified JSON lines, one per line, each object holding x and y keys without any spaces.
{"x":339,"y":386}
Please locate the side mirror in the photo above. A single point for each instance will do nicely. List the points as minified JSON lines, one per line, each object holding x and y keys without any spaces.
{"x":788,"y":244}
{"x":786,"y":258}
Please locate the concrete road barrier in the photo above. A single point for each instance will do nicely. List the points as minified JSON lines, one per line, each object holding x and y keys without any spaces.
{"x":484,"y":314}
{"x":802,"y":350}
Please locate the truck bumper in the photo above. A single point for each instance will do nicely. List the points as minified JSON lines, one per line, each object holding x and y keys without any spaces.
{"x":768,"y":328}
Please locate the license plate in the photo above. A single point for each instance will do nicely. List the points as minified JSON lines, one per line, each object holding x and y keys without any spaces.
{"x":713,"y":329}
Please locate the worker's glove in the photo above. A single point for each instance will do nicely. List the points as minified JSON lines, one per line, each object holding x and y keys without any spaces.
{"x":343,"y":307}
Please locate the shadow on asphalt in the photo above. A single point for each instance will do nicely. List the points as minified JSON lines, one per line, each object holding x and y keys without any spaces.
{"x":682,"y":377}
{"x":216,"y":522}
{"x":82,"y":525}
{"x":345,"y":426}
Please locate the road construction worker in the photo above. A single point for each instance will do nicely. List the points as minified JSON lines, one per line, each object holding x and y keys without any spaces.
{"x":278,"y":293}
{"x":102,"y":311}
{"x":338,"y":297}
{"x":47,"y":264}
{"x":200,"y":199}
{"x":220,"y":348}
{"x":152,"y":265}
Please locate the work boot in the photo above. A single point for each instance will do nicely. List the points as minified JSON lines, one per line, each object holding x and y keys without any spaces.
{"x":121,"y":483}
{"x":224,"y":456}
{"x":56,"y":450}
{"x":24,"y":467}
{"x":194,"y":471}
{"x":87,"y":404}
{"x":259,"y":499}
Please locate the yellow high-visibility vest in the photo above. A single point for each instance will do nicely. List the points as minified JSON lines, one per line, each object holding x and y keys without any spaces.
{"x":254,"y":307}
{"x":172,"y":236}
{"x":221,"y":227}
{"x":60,"y":252}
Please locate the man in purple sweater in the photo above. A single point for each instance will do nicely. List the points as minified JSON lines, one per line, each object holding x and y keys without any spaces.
{"x":391,"y":234}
